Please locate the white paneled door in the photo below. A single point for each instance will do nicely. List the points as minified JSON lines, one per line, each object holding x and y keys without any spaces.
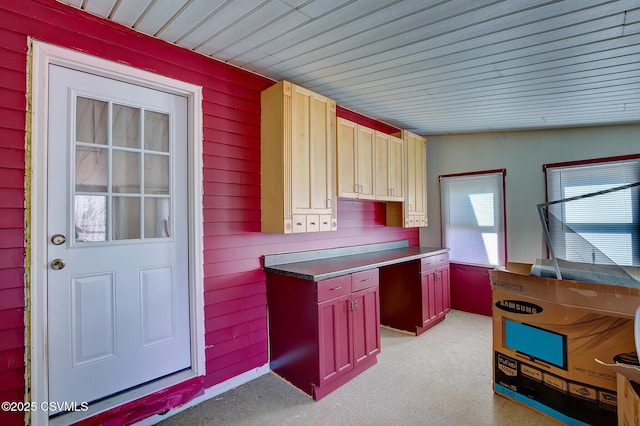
{"x":118,"y":294}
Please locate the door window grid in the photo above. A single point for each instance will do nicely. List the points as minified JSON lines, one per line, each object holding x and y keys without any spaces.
{"x":122,"y":172}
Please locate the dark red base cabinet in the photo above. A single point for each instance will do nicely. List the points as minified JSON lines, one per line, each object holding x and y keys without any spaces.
{"x":324,"y":333}
{"x":415,"y":295}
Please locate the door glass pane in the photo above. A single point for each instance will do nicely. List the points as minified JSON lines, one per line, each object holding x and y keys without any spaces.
{"x":156,"y":174}
{"x":116,"y":167}
{"x":91,"y":169}
{"x":91,"y":121}
{"x":126,"y":172}
{"x":90,"y":217}
{"x":156,"y":217}
{"x":156,"y":131}
{"x":126,"y":126}
{"x":126,"y":218}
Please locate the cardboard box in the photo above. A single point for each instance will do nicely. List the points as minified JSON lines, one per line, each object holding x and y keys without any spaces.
{"x":547,"y":334}
{"x":628,"y":402}
{"x":628,"y":379}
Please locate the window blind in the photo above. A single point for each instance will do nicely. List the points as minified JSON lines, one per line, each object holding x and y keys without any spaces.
{"x":607,"y":224}
{"x":473,"y":225}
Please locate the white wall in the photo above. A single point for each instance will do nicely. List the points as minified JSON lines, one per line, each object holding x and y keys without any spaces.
{"x":522,"y":154}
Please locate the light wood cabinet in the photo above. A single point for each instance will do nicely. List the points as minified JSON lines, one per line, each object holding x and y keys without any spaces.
{"x":298,"y":166}
{"x":370,"y":163}
{"x":355,"y":150}
{"x":412,"y":212}
{"x":389,"y":169}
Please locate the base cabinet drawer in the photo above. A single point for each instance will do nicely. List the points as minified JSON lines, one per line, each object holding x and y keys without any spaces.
{"x":333,"y":287}
{"x":365,"y":279}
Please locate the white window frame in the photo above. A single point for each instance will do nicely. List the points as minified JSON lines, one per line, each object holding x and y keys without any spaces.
{"x":599,"y":174}
{"x":485,"y":243}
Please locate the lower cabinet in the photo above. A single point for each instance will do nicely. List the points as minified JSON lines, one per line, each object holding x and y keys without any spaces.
{"x":415,"y":295}
{"x":322,"y":334}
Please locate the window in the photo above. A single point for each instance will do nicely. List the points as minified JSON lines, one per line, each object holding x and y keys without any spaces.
{"x":605,"y":226}
{"x":473,"y":217}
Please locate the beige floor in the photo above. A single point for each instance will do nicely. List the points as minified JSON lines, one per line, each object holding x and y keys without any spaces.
{"x":442,"y":377}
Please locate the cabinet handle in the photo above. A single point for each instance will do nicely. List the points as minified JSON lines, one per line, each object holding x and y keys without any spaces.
{"x":328,"y":203}
{"x":336,"y":288}
{"x":299,"y":223}
{"x":365,"y":280}
{"x":354,"y":305}
{"x":312,"y":223}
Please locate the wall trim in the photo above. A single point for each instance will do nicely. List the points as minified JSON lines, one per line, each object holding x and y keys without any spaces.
{"x":209,"y":393}
{"x":41,"y":55}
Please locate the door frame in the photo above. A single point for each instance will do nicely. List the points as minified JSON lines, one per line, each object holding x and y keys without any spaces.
{"x":41,"y":56}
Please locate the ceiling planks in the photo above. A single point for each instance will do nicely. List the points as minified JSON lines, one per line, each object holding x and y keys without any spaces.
{"x":432,"y":67}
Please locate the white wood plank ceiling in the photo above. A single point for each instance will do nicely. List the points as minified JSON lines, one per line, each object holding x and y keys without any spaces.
{"x":433,"y":67}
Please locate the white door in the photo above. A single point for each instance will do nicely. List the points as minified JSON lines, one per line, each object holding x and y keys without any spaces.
{"x":118,"y":295}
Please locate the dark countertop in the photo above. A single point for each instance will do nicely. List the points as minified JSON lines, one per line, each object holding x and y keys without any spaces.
{"x":323,"y":268}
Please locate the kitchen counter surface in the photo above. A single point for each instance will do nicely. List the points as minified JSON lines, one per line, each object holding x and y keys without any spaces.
{"x":323,"y":264}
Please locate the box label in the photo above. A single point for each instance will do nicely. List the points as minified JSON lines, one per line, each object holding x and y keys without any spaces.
{"x":507,"y":366}
{"x":519,"y":307}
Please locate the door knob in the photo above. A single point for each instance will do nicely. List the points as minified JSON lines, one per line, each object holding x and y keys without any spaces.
{"x":58,"y":264}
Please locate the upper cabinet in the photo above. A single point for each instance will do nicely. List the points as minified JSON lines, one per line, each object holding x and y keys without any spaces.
{"x":298,"y":160}
{"x":355,"y":149}
{"x":412,"y":211}
{"x":389,"y":169}
{"x":370,"y":163}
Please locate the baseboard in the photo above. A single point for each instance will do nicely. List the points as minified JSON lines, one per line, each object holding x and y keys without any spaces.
{"x":209,"y":393}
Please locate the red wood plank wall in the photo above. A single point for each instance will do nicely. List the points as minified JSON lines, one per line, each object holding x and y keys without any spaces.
{"x":471,"y":288}
{"x":235,"y":299}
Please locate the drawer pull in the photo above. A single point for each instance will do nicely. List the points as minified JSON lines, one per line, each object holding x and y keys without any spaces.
{"x":299,"y":223}
{"x":337,"y":288}
{"x":365,"y":280}
{"x":312,"y":223}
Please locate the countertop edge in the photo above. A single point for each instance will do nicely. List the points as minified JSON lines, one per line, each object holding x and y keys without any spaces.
{"x":282,"y":269}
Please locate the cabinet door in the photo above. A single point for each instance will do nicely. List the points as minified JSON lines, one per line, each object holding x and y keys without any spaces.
{"x":416,"y":178}
{"x":429,"y":307}
{"x":439,"y":294}
{"x":366,"y":324}
{"x":347,"y":164}
{"x":389,"y":168}
{"x":396,"y":169}
{"x":356,"y":153}
{"x":382,"y":189}
{"x":312,"y":152}
{"x":446,"y":289}
{"x":365,"y":158}
{"x":335,"y":338}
